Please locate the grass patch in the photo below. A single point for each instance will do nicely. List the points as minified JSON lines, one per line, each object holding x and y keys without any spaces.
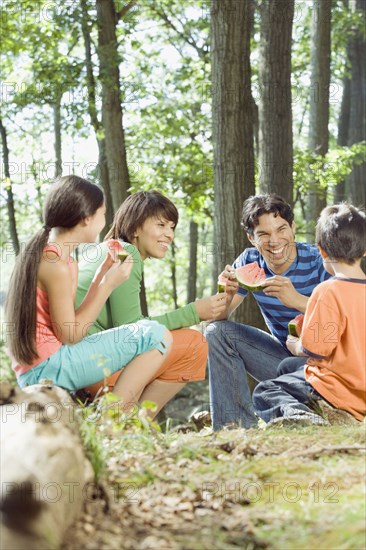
{"x":276,"y":488}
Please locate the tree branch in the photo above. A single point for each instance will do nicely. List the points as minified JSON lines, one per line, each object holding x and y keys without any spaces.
{"x":188,"y":39}
{"x":125,"y":9}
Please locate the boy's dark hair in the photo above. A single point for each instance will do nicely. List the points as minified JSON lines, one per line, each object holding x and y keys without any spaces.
{"x":69,"y":201}
{"x":135,"y":210}
{"x":341,"y":232}
{"x":257,"y":205}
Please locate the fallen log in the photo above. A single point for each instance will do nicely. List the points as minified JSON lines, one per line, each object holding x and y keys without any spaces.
{"x":44,"y":472}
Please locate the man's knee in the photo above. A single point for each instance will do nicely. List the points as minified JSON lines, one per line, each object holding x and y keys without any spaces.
{"x":218,"y":331}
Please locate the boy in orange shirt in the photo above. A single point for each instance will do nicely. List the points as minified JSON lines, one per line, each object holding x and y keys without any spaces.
{"x":333,"y":335}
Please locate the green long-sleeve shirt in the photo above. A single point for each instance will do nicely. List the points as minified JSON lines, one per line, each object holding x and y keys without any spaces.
{"x":123,"y":305}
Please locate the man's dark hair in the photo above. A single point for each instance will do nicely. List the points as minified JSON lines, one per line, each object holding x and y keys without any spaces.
{"x":341,"y":232}
{"x":257,"y":205}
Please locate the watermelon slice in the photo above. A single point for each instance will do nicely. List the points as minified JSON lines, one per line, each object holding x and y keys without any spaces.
{"x":295,"y":326}
{"x":116,"y":249}
{"x":221,"y":284}
{"x":250,"y":276}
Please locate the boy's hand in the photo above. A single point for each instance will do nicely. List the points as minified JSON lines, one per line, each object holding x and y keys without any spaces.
{"x":293,"y":344}
{"x":283,"y":289}
{"x":211,"y":308}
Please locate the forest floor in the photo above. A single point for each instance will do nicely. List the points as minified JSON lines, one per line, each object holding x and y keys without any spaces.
{"x":280,"y":487}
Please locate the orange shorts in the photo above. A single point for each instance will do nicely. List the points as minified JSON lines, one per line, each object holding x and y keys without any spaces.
{"x":186,"y":362}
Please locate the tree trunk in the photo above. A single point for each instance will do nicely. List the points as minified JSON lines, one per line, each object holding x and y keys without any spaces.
{"x":192,"y":270}
{"x":45,"y":475}
{"x":319,"y":105}
{"x":9,"y":191}
{"x":232,"y":124}
{"x":355,"y":182}
{"x":174,"y":277}
{"x":103,"y":176}
{"x":111,"y":102}
{"x":93,"y":114}
{"x":275,"y":113}
{"x":232,"y":117}
{"x":342,"y":139}
{"x":143,"y":300}
{"x":57,"y":132}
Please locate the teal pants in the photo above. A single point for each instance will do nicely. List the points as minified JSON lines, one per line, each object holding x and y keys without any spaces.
{"x":97,"y":356}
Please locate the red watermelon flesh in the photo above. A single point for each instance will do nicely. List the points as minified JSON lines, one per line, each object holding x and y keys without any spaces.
{"x":251,"y":276}
{"x":295,"y":326}
{"x":116,"y":249}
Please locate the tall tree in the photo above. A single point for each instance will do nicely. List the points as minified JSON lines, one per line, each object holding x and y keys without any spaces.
{"x":9,"y":190}
{"x":232,"y":118}
{"x":342,"y":138}
{"x":103,"y":174}
{"x":355,"y":183}
{"x":192,"y":268}
{"x":112,"y":117}
{"x":232,"y":123}
{"x":275,"y":112}
{"x":57,"y":131}
{"x":319,"y":104}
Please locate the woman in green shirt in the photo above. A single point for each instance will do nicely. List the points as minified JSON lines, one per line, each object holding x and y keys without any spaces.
{"x":145,"y":224}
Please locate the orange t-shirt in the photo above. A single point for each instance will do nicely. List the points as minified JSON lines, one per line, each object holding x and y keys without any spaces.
{"x":47,"y":342}
{"x":334,"y":337}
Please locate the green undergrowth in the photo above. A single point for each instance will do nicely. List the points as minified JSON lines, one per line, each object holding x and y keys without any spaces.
{"x":283,"y":487}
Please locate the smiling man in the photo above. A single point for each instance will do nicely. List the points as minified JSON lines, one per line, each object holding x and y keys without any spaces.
{"x":293,"y":270}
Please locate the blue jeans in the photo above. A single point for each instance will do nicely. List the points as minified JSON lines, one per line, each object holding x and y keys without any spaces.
{"x":234,"y":350}
{"x":288,"y":395}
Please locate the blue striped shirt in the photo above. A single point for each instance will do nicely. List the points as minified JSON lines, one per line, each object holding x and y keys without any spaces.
{"x":305,"y":273}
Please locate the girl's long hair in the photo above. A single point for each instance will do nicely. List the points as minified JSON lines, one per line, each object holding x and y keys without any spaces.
{"x":70,"y":200}
{"x":135,"y":210}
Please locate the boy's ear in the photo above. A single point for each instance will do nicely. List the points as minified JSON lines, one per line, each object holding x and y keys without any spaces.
{"x":323,"y":254}
{"x":293,"y":227}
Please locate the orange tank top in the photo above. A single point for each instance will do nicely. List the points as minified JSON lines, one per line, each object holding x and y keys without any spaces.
{"x":47,"y":342}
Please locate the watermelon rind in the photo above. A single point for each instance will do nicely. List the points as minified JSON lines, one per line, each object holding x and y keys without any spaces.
{"x":292,"y":329}
{"x":221,"y":287}
{"x":295,"y":325}
{"x":252,"y":288}
{"x":122,"y":256}
{"x":250,"y":280}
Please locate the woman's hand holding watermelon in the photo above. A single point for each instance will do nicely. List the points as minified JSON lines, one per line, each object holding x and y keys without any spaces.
{"x":211,"y":308}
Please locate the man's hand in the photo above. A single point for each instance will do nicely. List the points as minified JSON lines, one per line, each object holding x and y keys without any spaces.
{"x":231,"y":284}
{"x":283,"y":289}
{"x":211,"y":308}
